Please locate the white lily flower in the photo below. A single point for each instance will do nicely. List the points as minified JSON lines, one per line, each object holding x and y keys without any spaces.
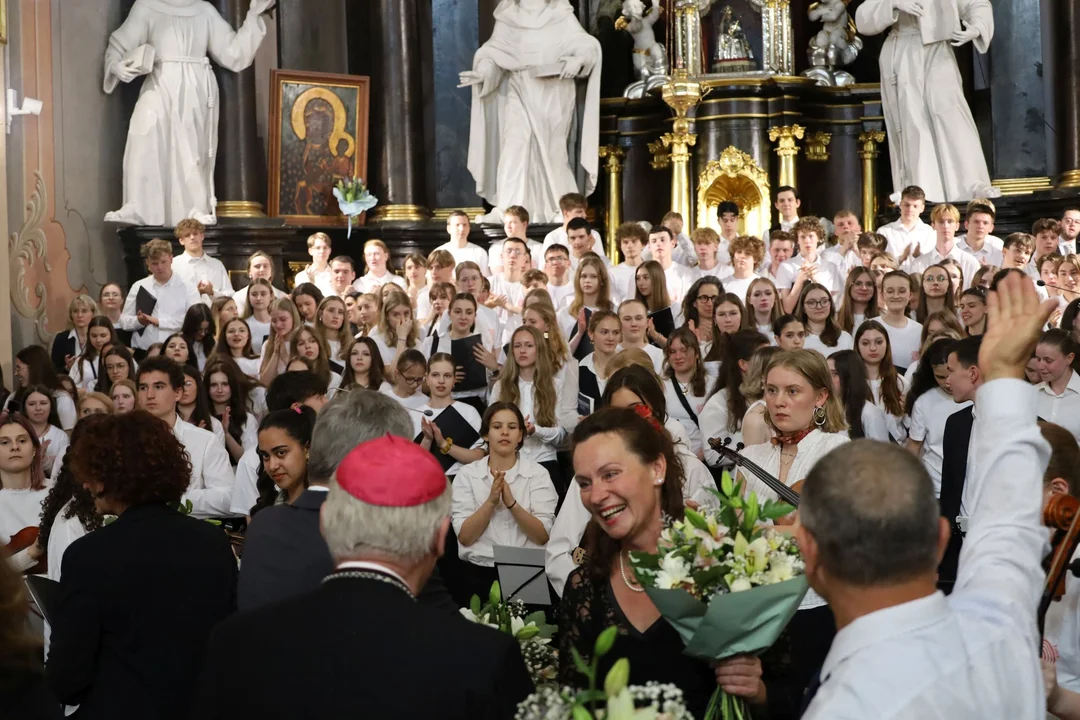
{"x":740,"y":584}
{"x":673,"y":572}
{"x":758,"y":553}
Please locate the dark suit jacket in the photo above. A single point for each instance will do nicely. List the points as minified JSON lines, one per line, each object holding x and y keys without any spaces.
{"x":358,"y":648}
{"x":138,"y":599}
{"x":285,"y":555}
{"x":62,"y":347}
{"x":953,"y":474}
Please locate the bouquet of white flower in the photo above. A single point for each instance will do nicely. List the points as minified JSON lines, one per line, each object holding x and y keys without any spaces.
{"x":531,"y":631}
{"x":353,"y":198}
{"x":728,"y":585}
{"x":620,"y":701}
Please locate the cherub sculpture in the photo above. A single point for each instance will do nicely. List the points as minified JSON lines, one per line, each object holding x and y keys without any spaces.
{"x":650,"y":57}
{"x":835,"y":45}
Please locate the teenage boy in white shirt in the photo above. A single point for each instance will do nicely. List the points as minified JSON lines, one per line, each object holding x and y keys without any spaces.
{"x":1070,"y":229}
{"x":807,"y":266}
{"x":342,"y":276}
{"x":747,"y":254}
{"x":204,"y":273}
{"x":579,"y":235}
{"x":781,"y":249}
{"x":909,"y":232}
{"x":1016,"y":251}
{"x":557,"y":267}
{"x":515,"y":225}
{"x":458,"y":227}
{"x":706,"y":246}
{"x":507,"y":292}
{"x":174,"y":297}
{"x":376,"y":257}
{"x":946,"y":219}
{"x":844,"y":255}
{"x":318,"y":273}
{"x":572,"y":205}
{"x":684,"y":249}
{"x":727,"y":213}
{"x":632,"y":241}
{"x":679,"y":277}
{"x":787,"y":204}
{"x":979,"y":223}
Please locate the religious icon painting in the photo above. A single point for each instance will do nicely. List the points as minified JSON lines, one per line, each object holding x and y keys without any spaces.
{"x":318,"y":136}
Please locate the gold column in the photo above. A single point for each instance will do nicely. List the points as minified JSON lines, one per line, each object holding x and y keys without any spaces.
{"x":868,"y":151}
{"x":681,"y":93}
{"x":614,"y":156}
{"x":785,"y":137}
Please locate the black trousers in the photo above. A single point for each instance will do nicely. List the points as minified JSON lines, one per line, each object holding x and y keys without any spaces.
{"x":812,"y":632}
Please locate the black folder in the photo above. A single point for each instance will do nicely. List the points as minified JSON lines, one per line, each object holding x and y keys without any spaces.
{"x":46,"y":593}
{"x":336,"y":367}
{"x":145,"y":304}
{"x":475,"y":373}
{"x":663,"y":321}
{"x":584,"y":404}
{"x":453,"y":426}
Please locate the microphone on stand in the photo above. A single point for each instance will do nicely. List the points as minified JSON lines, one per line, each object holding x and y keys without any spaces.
{"x":1043,"y":283}
{"x":426,"y":413}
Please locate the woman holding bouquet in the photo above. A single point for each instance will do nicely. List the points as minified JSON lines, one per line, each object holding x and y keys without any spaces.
{"x":629,"y":477}
{"x":808,"y":419}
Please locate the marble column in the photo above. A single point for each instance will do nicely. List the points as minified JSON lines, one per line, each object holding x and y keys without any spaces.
{"x":397,"y":111}
{"x":786,"y":149}
{"x":1067,"y":84}
{"x":240,"y":168}
{"x":1018,"y":108}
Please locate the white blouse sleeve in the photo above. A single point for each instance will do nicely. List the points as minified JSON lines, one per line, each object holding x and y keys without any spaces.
{"x":542,"y":499}
{"x":566,"y":411}
{"x":463,"y":495}
{"x":713,"y":422}
{"x":249,"y":437}
{"x":65,"y":409}
{"x":564,"y":537}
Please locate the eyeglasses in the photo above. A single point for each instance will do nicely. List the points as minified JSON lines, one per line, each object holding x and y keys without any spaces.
{"x":708,"y":298}
{"x":824,"y":302}
{"x":512,"y":252}
{"x":413,"y":380}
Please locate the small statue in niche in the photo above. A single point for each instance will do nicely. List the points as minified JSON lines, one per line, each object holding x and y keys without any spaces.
{"x":733,"y":52}
{"x":650,"y":57}
{"x":834,"y":46}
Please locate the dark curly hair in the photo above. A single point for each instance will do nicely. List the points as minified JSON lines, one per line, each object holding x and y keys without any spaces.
{"x":67,"y":488}
{"x":149,"y":465}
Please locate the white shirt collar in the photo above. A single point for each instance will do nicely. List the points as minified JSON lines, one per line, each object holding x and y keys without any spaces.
{"x":1073,"y":385}
{"x":364,"y":565}
{"x":319,"y":488}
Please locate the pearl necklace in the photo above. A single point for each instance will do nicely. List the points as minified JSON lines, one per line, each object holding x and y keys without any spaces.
{"x":625,"y":579}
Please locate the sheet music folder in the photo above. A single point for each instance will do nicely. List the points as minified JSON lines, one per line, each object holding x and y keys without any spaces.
{"x":452,"y":425}
{"x":462,"y":352}
{"x":45,"y":592}
{"x":521,"y":574}
{"x":145,"y":304}
{"x":663,"y":321}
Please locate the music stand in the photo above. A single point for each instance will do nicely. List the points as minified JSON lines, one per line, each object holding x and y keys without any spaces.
{"x":521,"y":574}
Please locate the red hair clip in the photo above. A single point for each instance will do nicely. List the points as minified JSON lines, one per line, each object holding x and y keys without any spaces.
{"x":645,"y":412}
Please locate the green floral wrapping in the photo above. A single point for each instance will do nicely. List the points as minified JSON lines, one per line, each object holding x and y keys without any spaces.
{"x":747,"y":622}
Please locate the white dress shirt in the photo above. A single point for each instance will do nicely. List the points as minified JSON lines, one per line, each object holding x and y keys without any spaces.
{"x":679,"y":279}
{"x":212,"y":477}
{"x":515,"y":296}
{"x":904,"y":342}
{"x":676,"y":410}
{"x":324,"y":279}
{"x":968,"y":264}
{"x":874,"y":424}
{"x":844,"y":262}
{"x":558,"y":237}
{"x":988,"y":254}
{"x":565,"y":535}
{"x":174,"y":297}
{"x":245,"y":491}
{"x":367,"y":282}
{"x":1063,"y":409}
{"x":738,"y":286}
{"x":713,"y":423}
{"x":813,"y":342}
{"x":1066,"y":247}
{"x":900,"y":238}
{"x":719,"y":272}
{"x":927,"y":426}
{"x":531,"y":487}
{"x":54,"y":454}
{"x":623,"y":285}
{"x":655,"y":354}
{"x":65,"y":530}
{"x":975,"y":653}
{"x":19,"y":509}
{"x":542,"y":444}
{"x":194,"y":270}
{"x":563,"y":295}
{"x":827,"y":275}
{"x":1063,"y":632}
{"x":470,"y":253}
{"x":468,"y":412}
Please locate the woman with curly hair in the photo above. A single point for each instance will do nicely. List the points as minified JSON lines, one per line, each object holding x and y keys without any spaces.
{"x":139,"y":597}
{"x":68,"y":511}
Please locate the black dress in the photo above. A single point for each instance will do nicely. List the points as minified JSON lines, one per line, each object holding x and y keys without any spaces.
{"x":656,"y":654}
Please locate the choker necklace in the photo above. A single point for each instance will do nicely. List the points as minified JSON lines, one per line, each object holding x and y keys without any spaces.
{"x":793,"y":438}
{"x":370,"y":575}
{"x":625,"y":579}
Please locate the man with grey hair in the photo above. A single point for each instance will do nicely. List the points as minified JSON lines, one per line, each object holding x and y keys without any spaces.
{"x":360,"y":645}
{"x":872,"y":536}
{"x":287,"y":555}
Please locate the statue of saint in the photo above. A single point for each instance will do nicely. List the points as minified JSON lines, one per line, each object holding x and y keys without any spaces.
{"x":525,"y":109}
{"x":733,"y":52}
{"x":172,"y":139}
{"x":933,"y":141}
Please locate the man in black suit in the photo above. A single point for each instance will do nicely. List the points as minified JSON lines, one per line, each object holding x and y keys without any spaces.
{"x":284,"y":553}
{"x":360,"y":646}
{"x":964,"y":379}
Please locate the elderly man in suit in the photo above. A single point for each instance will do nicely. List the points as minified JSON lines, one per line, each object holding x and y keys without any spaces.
{"x":284,"y":553}
{"x":360,"y":645}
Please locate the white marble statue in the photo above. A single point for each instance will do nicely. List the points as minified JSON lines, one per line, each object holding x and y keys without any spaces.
{"x":173,"y":136}
{"x":650,"y":57}
{"x":525,"y":109}
{"x":933,"y":141}
{"x":834,"y":46}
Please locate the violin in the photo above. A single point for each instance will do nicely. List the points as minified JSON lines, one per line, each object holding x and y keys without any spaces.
{"x":21,"y":541}
{"x":790,"y":495}
{"x":1061,"y":514}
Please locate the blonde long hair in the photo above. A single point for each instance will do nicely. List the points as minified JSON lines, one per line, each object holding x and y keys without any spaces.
{"x":545,"y":399}
{"x":396,"y":299}
{"x":603,"y":293}
{"x":556,"y":343}
{"x":812,"y":366}
{"x":342,"y":334}
{"x":321,"y":364}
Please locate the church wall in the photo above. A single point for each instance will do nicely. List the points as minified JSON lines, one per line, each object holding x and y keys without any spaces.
{"x":63,"y":169}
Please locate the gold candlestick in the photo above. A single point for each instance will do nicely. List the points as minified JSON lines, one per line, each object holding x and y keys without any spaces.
{"x":614,"y":156}
{"x":868,"y":151}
